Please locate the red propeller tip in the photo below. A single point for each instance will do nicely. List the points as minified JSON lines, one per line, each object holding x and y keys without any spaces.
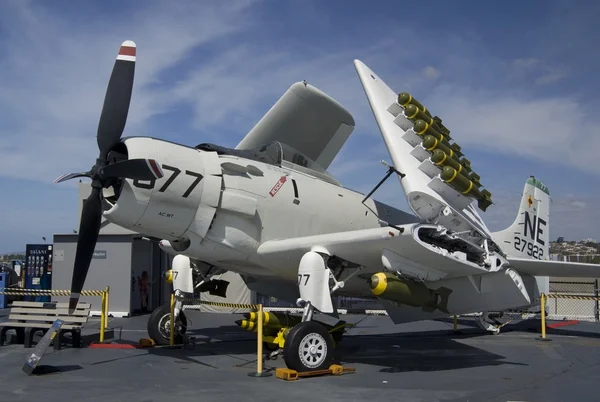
{"x":127,"y":51}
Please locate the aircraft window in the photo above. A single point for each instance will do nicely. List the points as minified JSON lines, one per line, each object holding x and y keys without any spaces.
{"x":270,"y":153}
{"x":275,"y":153}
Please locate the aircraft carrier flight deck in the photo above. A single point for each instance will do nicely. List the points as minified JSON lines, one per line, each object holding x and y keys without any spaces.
{"x":424,"y":361}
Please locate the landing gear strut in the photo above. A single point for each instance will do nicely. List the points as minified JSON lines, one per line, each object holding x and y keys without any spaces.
{"x":309,"y":345}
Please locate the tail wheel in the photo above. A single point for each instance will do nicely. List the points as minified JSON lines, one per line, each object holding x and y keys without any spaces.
{"x":159,"y":325}
{"x":308,"y":346}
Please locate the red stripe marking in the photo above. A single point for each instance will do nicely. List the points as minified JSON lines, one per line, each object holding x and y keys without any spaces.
{"x":155,"y":168}
{"x":562,"y":324}
{"x":114,"y":346}
{"x":127,"y":51}
{"x":277,"y":186}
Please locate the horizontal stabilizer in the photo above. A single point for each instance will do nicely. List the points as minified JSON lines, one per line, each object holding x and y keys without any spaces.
{"x":555,"y":268}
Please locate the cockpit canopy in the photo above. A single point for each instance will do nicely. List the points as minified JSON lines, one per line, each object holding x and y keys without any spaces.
{"x":278,"y":154}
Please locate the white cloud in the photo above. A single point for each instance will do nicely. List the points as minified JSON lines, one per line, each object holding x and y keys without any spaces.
{"x":578,"y":205}
{"x":200,"y":60}
{"x":525,"y":62}
{"x":552,"y":129}
{"x":50,"y":103}
{"x":550,"y":76}
{"x":431,"y":72}
{"x":228,"y":85}
{"x":545,"y":73}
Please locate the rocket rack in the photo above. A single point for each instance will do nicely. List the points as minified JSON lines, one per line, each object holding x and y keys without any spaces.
{"x":293,"y":375}
{"x":442,"y":160}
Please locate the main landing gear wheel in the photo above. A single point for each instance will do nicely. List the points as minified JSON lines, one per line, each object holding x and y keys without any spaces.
{"x":159,"y":325}
{"x":308,"y":346}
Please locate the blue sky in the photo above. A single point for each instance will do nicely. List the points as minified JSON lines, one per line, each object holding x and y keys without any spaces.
{"x":516,"y":83}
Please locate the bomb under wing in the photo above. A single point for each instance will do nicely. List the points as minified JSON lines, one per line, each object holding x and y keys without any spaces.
{"x":405,"y":99}
{"x":388,"y":286}
{"x":465,"y":186}
{"x":440,"y":158}
{"x":456,"y":168}
{"x":423,"y":129}
{"x":274,"y":320}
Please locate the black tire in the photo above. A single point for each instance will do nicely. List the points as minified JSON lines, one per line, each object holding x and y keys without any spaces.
{"x":300,"y":337}
{"x":160,"y":317}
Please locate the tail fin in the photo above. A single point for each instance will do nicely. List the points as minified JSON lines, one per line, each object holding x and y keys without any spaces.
{"x":528,"y":236}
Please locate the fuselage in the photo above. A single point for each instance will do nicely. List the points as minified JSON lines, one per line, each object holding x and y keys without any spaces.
{"x":224,"y":208}
{"x":216,"y":209}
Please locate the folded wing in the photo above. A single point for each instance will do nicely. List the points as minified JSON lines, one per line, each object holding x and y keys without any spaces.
{"x":306,"y":119}
{"x":429,"y":197}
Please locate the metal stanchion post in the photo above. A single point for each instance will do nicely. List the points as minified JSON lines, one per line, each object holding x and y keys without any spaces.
{"x":106,"y":309}
{"x":543,"y":313}
{"x":259,"y":346}
{"x":172,"y":321}
{"x":102,"y":316}
{"x":596,"y":305}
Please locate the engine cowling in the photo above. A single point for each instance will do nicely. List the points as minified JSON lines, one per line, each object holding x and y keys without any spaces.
{"x":167,"y":207}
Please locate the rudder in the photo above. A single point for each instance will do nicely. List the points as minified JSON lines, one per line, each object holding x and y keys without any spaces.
{"x":528,"y":236}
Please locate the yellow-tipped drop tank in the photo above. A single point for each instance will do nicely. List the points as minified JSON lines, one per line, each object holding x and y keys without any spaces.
{"x":388,"y":286}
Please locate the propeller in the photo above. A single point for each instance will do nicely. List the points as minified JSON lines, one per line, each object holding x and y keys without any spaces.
{"x":110,"y":128}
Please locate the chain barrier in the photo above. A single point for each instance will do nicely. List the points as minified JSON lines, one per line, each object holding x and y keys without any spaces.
{"x":565,"y":306}
{"x":253,"y":307}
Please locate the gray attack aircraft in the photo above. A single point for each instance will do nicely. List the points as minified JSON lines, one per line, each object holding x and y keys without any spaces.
{"x":269,"y":211}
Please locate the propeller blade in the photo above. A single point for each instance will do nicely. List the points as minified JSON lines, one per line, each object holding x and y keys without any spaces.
{"x":117,"y":99}
{"x":89,"y":227}
{"x":140,"y":169}
{"x":70,"y":176}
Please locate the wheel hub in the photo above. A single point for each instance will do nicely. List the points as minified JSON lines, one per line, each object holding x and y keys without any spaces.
{"x":312,"y":350}
{"x":164,"y":325}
